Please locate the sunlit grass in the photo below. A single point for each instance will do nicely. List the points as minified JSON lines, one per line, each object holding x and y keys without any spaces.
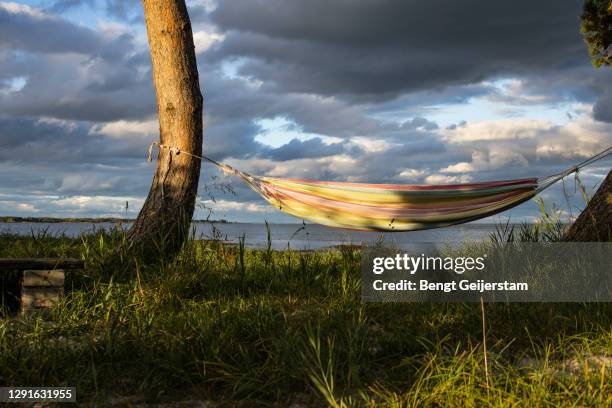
{"x":258,"y":327}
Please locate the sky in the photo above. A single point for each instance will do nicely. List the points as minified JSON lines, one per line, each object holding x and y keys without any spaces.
{"x":379,"y":91}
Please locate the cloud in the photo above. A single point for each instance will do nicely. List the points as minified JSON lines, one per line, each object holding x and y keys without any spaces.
{"x":579,"y":138}
{"x":60,"y":6}
{"x":122,"y":129}
{"x":203,"y":40}
{"x":490,"y":159}
{"x":123,"y":9}
{"x":227,"y":205}
{"x":84,"y":183}
{"x":8,"y":206}
{"x":297,"y":149}
{"x":73,"y":206}
{"x":372,"y":91}
{"x":445,"y":179}
{"x":509,"y":129}
{"x":603,"y":108}
{"x":412,"y":174}
{"x":380,"y":49}
{"x":30,"y":29}
{"x":102,"y":205}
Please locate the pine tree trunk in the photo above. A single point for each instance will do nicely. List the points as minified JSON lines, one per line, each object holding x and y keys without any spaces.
{"x":595,"y":223}
{"x":163,"y":222}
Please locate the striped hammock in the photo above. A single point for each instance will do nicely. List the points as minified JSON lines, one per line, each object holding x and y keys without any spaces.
{"x":392,"y":207}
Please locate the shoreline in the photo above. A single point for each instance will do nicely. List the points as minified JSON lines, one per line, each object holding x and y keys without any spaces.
{"x":90,"y":220}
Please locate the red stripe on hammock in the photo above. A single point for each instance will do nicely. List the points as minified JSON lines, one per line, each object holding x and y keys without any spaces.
{"x":416,"y":187}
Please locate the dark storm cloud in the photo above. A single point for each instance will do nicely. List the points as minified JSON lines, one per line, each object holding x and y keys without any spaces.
{"x":603,"y":108}
{"x":384,"y":48}
{"x":419,"y":123}
{"x":70,"y":71}
{"x":14,"y":131}
{"x":62,"y":143}
{"x":127,"y":10}
{"x":80,"y":88}
{"x":32,"y":30}
{"x":60,"y":6}
{"x":227,"y":99}
{"x":124,"y":9}
{"x":297,"y":149}
{"x":581,"y":82}
{"x":231,"y":139}
{"x":38,"y":32}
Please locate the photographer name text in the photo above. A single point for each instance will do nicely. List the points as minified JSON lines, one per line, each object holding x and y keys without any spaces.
{"x":465,"y":285}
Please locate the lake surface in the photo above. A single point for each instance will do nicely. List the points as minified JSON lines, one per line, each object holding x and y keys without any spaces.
{"x":297,"y":236}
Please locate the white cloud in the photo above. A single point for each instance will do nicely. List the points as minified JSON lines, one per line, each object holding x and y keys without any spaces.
{"x":496,"y":157}
{"x":351,"y":168}
{"x":507,"y":129}
{"x":112,"y":29}
{"x":444,"y":179}
{"x":209,"y":5}
{"x":515,"y":91}
{"x":500,"y":144}
{"x":73,"y":206}
{"x":373,"y":145}
{"x":107,"y":205}
{"x":124,"y":129}
{"x":277,"y":131}
{"x":9,"y":206}
{"x":340,"y":164}
{"x":203,"y":40}
{"x":228,"y":205}
{"x":12,"y":85}
{"x":412,"y":174}
{"x":16,"y":8}
{"x":583,"y":137}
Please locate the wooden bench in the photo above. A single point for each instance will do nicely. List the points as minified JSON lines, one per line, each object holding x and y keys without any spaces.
{"x":41,"y":280}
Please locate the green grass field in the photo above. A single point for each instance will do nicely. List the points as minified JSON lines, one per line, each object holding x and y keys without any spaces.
{"x":240,"y":327}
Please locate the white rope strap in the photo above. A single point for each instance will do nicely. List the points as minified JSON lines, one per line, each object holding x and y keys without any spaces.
{"x":228,"y":170}
{"x":254,"y":181}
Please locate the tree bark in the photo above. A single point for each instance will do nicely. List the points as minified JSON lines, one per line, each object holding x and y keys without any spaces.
{"x":163,"y":222}
{"x":594,"y":224}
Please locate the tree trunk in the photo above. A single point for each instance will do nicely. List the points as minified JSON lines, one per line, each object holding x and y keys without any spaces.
{"x":595,"y":223}
{"x":163,"y":222}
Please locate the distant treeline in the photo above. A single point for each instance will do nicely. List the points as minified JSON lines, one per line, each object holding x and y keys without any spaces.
{"x":50,"y":220}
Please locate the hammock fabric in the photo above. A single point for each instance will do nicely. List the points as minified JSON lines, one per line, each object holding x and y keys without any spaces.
{"x":392,"y":207}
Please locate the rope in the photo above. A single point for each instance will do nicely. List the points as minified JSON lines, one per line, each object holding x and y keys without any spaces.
{"x":266,"y":188}
{"x":255,"y":181}
{"x":228,"y":170}
{"x":549,"y":180}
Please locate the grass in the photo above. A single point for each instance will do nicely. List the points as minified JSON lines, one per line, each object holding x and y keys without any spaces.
{"x":242,"y":327}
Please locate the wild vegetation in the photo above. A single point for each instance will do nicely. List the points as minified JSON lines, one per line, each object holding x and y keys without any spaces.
{"x":236,"y":326}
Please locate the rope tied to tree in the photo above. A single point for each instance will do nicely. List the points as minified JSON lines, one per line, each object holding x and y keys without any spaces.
{"x":229,"y":170}
{"x":548,"y":180}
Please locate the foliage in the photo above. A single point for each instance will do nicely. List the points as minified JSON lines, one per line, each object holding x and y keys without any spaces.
{"x":596,"y":27}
